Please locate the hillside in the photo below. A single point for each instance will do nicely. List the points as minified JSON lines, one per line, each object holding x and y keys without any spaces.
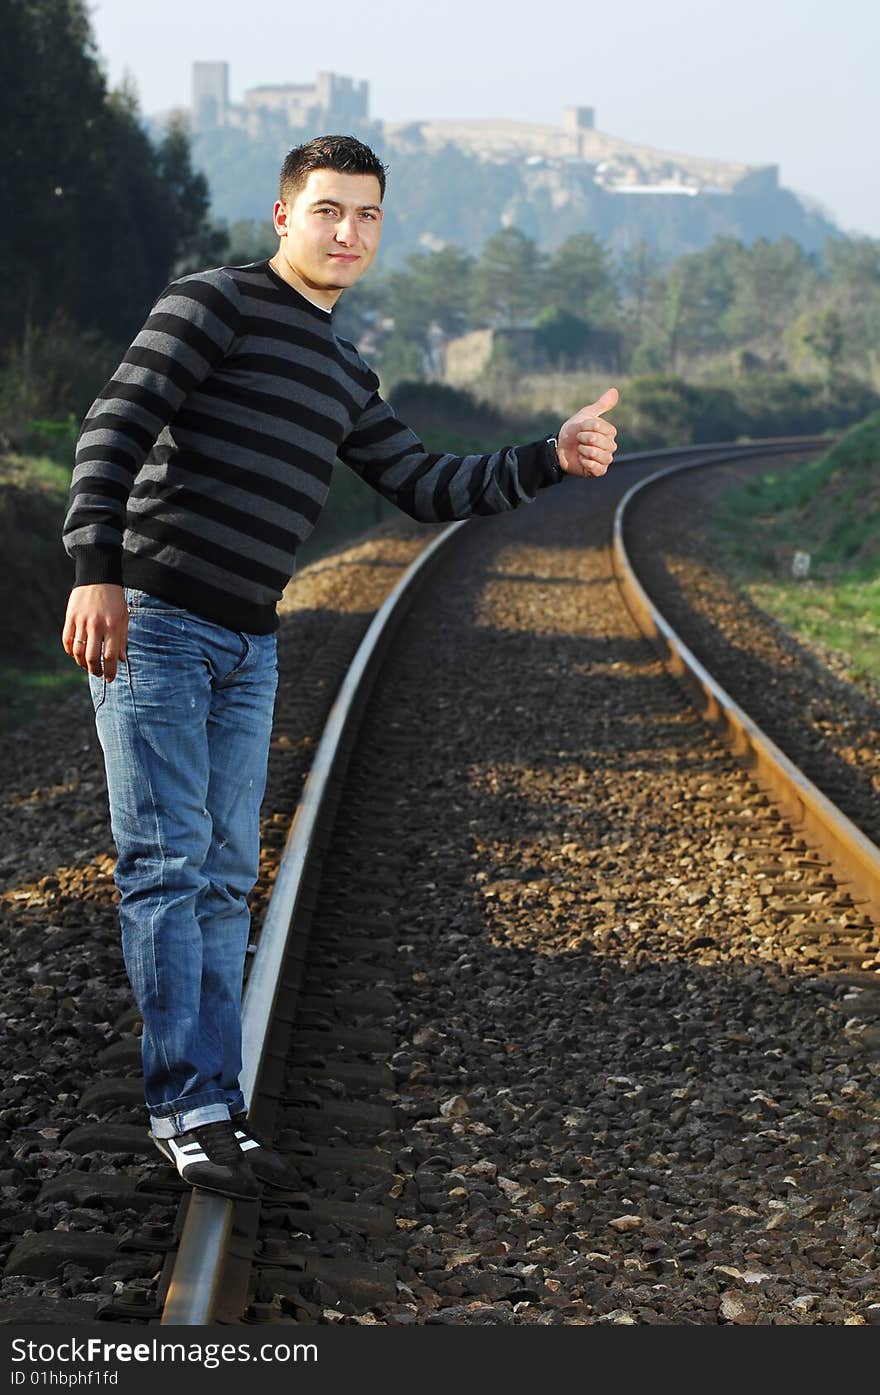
{"x":829,"y":508}
{"x":451,"y":190}
{"x":828,"y":511}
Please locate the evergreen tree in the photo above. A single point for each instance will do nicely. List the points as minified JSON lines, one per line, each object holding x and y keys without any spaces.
{"x":579,"y":281}
{"x":96,"y":217}
{"x":435,"y":288}
{"x":772,"y":280}
{"x":507,"y":280}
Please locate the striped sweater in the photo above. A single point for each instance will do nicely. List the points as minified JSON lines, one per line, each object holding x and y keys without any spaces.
{"x":206,"y":459}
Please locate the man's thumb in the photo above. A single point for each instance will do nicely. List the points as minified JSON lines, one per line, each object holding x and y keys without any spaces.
{"x":609,"y":399}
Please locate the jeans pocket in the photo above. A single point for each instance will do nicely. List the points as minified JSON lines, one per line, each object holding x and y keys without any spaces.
{"x":98,"y":689}
{"x":144,"y":603}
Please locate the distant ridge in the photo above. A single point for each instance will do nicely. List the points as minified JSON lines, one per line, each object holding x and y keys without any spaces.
{"x":459,"y":181}
{"x":618,"y":165}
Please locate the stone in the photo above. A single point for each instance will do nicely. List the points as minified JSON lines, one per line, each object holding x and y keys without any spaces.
{"x":626,"y":1223}
{"x":93,"y":1188}
{"x":110,"y":1138}
{"x":735,"y":1308}
{"x":107,"y":1094}
{"x":454,"y":1108}
{"x":45,"y":1254}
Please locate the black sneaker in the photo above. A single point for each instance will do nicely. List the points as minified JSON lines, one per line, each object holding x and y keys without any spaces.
{"x":268,"y":1166}
{"x":209,"y":1157}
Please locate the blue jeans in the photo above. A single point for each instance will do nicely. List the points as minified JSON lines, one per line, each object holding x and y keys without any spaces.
{"x":185,"y":729}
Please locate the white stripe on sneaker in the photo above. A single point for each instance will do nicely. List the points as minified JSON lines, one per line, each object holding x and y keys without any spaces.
{"x":185,"y":1155}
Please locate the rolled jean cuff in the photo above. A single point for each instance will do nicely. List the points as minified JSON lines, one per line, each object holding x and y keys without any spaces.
{"x":236,"y":1103}
{"x":169,"y":1125}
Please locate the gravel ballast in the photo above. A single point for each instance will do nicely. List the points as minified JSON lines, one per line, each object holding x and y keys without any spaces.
{"x":632,"y":1020}
{"x":636,"y":1065}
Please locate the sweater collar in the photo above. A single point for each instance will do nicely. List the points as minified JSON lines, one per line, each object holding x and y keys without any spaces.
{"x":309,"y":306}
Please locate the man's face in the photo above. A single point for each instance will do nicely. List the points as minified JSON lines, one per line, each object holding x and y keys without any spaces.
{"x":329,"y":231}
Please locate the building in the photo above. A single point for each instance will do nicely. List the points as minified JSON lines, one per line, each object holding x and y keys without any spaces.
{"x":330,"y":102}
{"x":210,"y":95}
{"x":619,"y":166}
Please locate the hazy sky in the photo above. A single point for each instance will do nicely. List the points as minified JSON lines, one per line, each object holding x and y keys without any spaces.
{"x":789,"y":82}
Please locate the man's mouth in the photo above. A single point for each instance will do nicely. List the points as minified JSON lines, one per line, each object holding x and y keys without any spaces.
{"x":344,"y":256}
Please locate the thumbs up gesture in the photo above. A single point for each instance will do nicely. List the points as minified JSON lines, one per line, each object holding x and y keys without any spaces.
{"x":586,"y":444}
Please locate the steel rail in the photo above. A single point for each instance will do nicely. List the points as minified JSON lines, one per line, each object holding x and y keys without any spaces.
{"x":803,"y":803}
{"x":197,"y":1276}
{"x":195,"y":1283}
{"x":759,"y":445}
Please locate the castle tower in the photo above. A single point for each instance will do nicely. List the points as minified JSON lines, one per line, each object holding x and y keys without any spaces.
{"x":576,"y":121}
{"x":210,"y":95}
{"x":578,"y":118}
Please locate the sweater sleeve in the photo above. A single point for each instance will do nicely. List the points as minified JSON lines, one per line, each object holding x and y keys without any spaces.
{"x":188,"y":333}
{"x":433,"y":488}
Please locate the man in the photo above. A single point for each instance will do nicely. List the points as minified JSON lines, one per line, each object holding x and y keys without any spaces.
{"x":200,"y":468}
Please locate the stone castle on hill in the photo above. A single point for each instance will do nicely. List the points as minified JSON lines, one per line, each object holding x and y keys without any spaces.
{"x":331,"y":102}
{"x":457,"y":183}
{"x":276,"y":108}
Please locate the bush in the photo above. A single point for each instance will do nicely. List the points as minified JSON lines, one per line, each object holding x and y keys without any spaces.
{"x":716,"y":414}
{"x":432,"y":407}
{"x":37,"y":573}
{"x":657,"y":410}
{"x":48,"y":377}
{"x":779,"y":405}
{"x":56,"y":439}
{"x":564,"y":338}
{"x":400,"y":360}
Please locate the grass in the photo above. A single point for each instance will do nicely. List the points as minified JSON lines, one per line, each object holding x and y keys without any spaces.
{"x":34,"y":584}
{"x":830,"y":509}
{"x":39,"y":473}
{"x":841,"y":619}
{"x":26,"y":694}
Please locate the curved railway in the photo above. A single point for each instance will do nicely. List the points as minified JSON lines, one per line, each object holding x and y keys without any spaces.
{"x":529,"y":1054}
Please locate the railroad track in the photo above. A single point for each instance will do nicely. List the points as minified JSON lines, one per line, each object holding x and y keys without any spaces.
{"x":509,"y":904}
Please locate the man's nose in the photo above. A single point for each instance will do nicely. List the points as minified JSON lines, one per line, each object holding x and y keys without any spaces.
{"x":347,"y":230}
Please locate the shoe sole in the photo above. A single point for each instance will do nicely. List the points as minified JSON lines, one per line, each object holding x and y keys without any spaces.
{"x":220,"y":1191}
{"x":280,"y":1186}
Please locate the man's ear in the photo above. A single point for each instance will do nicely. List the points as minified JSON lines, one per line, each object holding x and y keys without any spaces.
{"x":279,"y":217}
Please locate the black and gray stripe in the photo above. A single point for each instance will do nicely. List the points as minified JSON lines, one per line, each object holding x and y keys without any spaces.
{"x":206,"y":460}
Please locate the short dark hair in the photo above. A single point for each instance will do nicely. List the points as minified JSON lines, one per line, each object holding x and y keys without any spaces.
{"x":344,"y":154}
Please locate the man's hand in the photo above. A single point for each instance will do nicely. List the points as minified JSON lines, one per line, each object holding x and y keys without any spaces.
{"x":96,"y":628}
{"x":586,"y":444}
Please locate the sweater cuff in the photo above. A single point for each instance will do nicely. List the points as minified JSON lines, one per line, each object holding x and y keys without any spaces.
{"x":539,"y":466}
{"x":96,"y":566}
{"x":555,"y":472}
